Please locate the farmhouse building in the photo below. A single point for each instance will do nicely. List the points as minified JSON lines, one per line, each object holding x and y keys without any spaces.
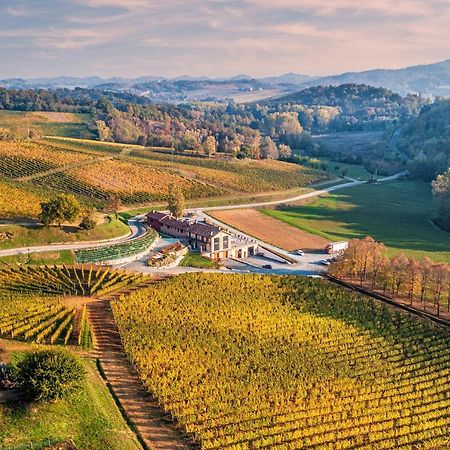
{"x":211,"y":241}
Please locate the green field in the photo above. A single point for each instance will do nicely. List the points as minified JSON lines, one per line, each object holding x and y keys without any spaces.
{"x":193,"y":259}
{"x":397,"y":213}
{"x":354,"y":171}
{"x":35,"y":234}
{"x":47,"y":123}
{"x":90,"y":418}
{"x":40,"y":258}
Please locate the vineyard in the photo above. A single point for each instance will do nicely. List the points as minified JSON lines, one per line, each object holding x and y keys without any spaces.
{"x":134,"y":174}
{"x":37,"y":318}
{"x":136,"y":183}
{"x":244,"y":176}
{"x":32,"y":306}
{"x":247,"y":361}
{"x":118,"y":251}
{"x":20,"y":199}
{"x":78,"y":280}
{"x":19,"y":159}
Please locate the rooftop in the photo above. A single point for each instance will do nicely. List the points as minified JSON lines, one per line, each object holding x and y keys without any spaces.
{"x":199,"y":228}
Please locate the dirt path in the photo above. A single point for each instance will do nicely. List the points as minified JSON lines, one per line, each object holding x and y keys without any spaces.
{"x":153,"y":428}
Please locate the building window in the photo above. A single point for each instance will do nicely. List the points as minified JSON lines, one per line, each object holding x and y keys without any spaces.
{"x":216,"y":244}
{"x":226,"y":242}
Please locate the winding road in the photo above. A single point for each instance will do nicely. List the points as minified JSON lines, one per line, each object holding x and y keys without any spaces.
{"x":138,"y":229}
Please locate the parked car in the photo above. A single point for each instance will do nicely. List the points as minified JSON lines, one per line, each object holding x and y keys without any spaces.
{"x":300,"y":252}
{"x":325,"y":262}
{"x":267,"y":266}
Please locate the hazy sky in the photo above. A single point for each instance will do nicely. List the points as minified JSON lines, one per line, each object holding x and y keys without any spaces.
{"x":218,"y":37}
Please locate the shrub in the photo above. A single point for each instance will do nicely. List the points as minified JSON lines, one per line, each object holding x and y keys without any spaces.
{"x":47,"y":375}
{"x":87,"y":223}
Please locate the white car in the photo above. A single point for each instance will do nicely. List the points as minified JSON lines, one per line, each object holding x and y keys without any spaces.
{"x":325,"y":262}
{"x":300,"y":252}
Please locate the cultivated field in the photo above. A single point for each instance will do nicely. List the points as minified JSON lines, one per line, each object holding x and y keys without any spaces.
{"x":234,"y":175}
{"x":94,"y":171}
{"x":46,"y":123}
{"x":350,"y":142}
{"x":288,"y":363}
{"x":20,"y":200}
{"x":268,"y":229}
{"x":397,"y":213}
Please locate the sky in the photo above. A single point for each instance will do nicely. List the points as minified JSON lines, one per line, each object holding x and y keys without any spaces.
{"x":218,"y":38}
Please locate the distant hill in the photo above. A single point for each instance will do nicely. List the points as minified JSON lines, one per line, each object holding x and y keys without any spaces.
{"x":347,"y":96}
{"x":354,"y":103}
{"x":430,"y":79}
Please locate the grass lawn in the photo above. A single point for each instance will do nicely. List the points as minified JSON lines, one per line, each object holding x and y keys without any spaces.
{"x":193,"y":259}
{"x":39,"y":259}
{"x":397,"y":213}
{"x":28,"y":236}
{"x":48,"y":123}
{"x":90,"y":418}
{"x":354,"y":171}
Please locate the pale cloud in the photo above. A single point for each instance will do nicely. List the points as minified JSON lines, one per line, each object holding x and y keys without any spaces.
{"x":219,"y":37}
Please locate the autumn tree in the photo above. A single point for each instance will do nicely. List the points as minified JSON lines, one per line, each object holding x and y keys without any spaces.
{"x":65,"y":207}
{"x":438,"y":282}
{"x":284,"y":151}
{"x":399,"y":266}
{"x":210,"y":145}
{"x":413,"y":274}
{"x":176,"y":201}
{"x":268,"y":148}
{"x":114,"y":204}
{"x":441,"y":191}
{"x":426,"y":266}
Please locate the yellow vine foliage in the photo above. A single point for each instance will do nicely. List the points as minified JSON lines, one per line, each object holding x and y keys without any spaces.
{"x":247,"y":361}
{"x":15,"y":201}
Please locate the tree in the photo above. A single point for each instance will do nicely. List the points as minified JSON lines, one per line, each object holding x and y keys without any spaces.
{"x":104,"y":133}
{"x":425,"y":275}
{"x":439,"y":278}
{"x":176,"y":201}
{"x":114,"y":204}
{"x":413,"y":271}
{"x":268,"y":149}
{"x":399,"y":274}
{"x":47,"y":375}
{"x":64,"y":207}
{"x":284,"y":151}
{"x":441,"y":191}
{"x":87,"y":223}
{"x":210,"y":145}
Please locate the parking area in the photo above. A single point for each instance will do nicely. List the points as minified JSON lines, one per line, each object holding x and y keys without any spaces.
{"x":308,"y":264}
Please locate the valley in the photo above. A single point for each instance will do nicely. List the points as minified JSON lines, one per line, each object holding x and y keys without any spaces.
{"x":260,"y":273}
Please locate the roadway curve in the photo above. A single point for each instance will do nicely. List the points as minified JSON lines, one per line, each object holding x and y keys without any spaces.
{"x":137,"y":229}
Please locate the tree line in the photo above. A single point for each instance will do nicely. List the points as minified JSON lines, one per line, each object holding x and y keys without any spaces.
{"x":365,"y":262}
{"x":426,"y":140}
{"x":264,"y":130}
